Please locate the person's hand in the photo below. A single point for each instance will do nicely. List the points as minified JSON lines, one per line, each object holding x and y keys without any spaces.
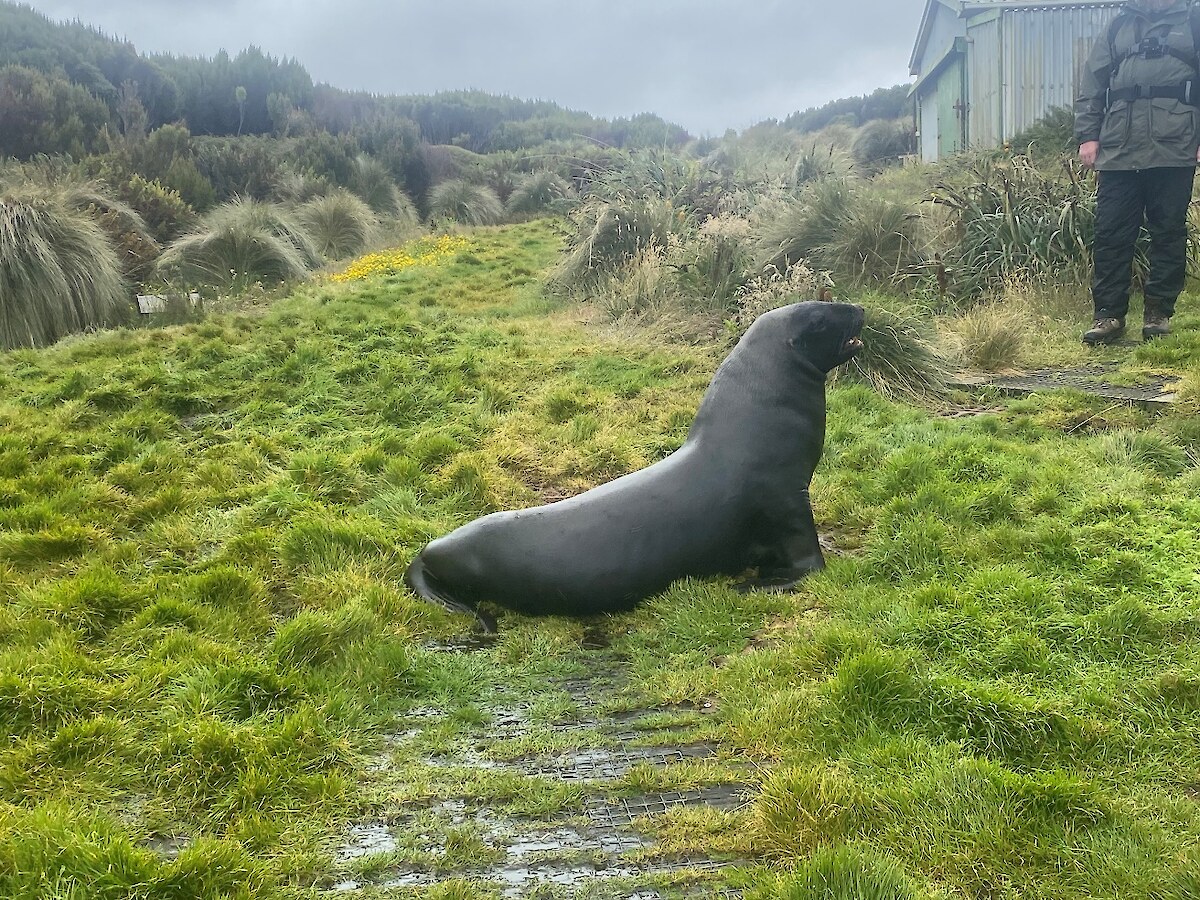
{"x":1089,"y":149}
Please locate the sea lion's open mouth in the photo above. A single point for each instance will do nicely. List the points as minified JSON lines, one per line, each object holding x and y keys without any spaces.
{"x":854,"y":342}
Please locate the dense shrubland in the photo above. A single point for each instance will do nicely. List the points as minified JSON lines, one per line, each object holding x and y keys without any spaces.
{"x":60,"y":83}
{"x":957,"y":262}
{"x":696,"y":239}
{"x":191,"y":165}
{"x":881,"y":104}
{"x":694,"y":235}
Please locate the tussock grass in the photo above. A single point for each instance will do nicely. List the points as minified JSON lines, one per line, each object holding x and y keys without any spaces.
{"x":898,"y":357}
{"x":876,"y":242}
{"x":715,"y":265}
{"x":795,"y":230}
{"x":538,"y":192}
{"x":242,"y":242}
{"x":882,"y":142}
{"x":131,"y":236}
{"x":59,"y":271}
{"x":643,"y":288}
{"x":290,"y":186}
{"x":608,"y":234}
{"x":990,"y":337}
{"x":466,"y":203}
{"x":842,"y":225}
{"x":340,"y":224}
{"x":371,"y":181}
{"x":820,"y":160}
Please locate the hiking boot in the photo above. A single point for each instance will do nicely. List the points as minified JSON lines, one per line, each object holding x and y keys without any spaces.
{"x":1104,"y":331}
{"x":1155,"y":325}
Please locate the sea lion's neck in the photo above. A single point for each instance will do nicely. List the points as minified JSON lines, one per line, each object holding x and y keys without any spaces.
{"x":746,"y":384}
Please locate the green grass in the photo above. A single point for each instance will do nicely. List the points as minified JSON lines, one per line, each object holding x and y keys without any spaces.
{"x":993,"y":692}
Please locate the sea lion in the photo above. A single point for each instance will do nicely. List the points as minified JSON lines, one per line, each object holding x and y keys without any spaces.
{"x":734,"y":497}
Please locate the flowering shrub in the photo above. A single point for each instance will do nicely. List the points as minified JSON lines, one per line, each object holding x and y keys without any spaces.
{"x":774,"y":289}
{"x":425,"y":252}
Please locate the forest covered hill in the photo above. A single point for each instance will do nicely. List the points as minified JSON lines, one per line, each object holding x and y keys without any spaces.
{"x":61,"y":84}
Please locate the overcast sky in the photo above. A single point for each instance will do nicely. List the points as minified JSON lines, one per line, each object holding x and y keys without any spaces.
{"x":707,"y":65}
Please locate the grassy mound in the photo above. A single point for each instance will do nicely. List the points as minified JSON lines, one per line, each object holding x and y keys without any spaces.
{"x":466,"y":203}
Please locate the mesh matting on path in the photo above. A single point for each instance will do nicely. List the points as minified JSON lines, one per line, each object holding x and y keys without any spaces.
{"x":1152,"y":390}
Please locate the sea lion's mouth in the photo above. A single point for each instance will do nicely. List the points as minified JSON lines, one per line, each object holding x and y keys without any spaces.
{"x":854,"y":343}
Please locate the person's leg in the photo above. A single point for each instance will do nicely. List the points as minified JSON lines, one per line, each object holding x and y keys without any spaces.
{"x":1168,"y":194}
{"x":1120,"y":209}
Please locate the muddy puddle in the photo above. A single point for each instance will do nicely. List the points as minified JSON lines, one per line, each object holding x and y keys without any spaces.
{"x":464,"y":643}
{"x":581,"y":765}
{"x":167,"y":846}
{"x":368,"y":839}
{"x":600,"y":848}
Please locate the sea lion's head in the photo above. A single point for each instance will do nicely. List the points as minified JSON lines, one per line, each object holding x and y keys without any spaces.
{"x":821,"y":333}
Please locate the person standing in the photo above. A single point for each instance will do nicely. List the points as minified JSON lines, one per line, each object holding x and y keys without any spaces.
{"x":1138,"y":125}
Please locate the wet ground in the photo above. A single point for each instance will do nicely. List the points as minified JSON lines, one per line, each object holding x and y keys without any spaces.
{"x":626,"y":768}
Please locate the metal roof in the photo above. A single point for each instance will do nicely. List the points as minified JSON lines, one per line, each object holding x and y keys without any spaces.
{"x":993,"y":3}
{"x":923,"y":31}
{"x":970,"y":6}
{"x":966,"y":8}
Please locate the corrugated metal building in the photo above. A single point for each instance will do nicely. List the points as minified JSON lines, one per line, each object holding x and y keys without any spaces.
{"x":989,"y":68}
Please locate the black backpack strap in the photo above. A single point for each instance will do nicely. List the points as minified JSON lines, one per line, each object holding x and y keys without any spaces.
{"x":1188,"y":92}
{"x":1139,"y":37}
{"x":1111,"y":35}
{"x":1194,"y":21}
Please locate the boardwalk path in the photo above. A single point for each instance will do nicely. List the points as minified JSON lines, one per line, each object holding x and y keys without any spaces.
{"x":1151,"y":391}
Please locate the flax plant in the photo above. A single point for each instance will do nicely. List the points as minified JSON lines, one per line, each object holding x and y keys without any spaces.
{"x":1013,"y":219}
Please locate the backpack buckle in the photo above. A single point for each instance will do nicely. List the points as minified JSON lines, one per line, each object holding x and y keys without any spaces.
{"x":1151,"y":48}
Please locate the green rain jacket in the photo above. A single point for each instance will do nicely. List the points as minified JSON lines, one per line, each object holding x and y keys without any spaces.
{"x":1140,"y":91}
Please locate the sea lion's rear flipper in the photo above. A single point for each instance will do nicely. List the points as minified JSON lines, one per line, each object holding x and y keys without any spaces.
{"x":422,"y":583}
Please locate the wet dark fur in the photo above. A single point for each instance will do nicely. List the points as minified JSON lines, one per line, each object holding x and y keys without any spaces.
{"x":734,"y":497}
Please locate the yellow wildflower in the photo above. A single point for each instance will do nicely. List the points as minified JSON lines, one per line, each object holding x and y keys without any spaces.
{"x":425,"y":252}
